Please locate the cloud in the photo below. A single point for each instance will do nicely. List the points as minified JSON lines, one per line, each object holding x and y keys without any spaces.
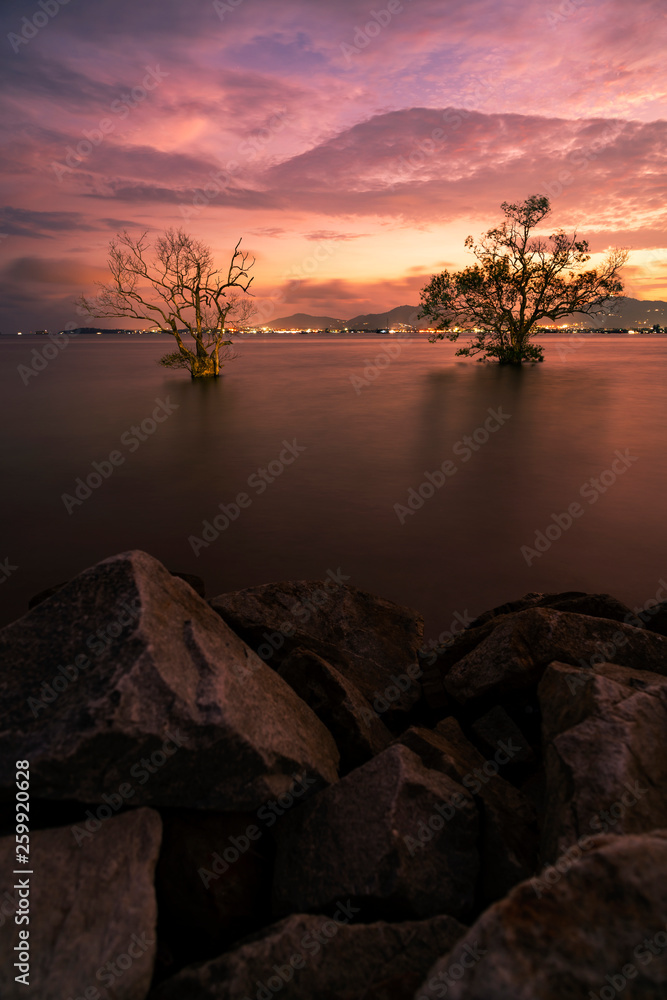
{"x":42,"y":225}
{"x":331,"y":234}
{"x":52,"y":271}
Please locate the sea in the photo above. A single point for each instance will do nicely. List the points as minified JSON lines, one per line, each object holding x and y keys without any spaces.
{"x":434,"y":481}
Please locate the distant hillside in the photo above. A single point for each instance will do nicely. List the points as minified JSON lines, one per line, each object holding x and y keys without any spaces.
{"x":400,"y":314}
{"x":303,"y":321}
{"x":628,"y":313}
{"x":633,"y":312}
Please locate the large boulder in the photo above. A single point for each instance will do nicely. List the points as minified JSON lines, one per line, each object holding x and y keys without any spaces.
{"x":395,"y":837}
{"x":596,"y":930}
{"x":310,"y":956}
{"x":371,"y":641}
{"x":509,"y":836}
{"x":358,"y":731}
{"x":577,"y":601}
{"x":515,"y":651}
{"x":125,"y":683}
{"x":606,"y":755}
{"x":655,"y":618}
{"x":92,"y":911}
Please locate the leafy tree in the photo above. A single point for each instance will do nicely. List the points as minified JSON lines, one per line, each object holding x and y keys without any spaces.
{"x":518,"y":281}
{"x":173,"y":283}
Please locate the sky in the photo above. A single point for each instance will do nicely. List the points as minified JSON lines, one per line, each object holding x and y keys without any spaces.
{"x":352,"y":146}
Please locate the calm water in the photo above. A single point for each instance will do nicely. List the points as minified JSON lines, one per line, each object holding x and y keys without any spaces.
{"x":334,"y":505}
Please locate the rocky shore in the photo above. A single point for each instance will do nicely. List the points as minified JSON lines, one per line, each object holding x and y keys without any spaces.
{"x":277,"y":792}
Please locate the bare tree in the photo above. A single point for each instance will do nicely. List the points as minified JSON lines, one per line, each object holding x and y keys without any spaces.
{"x":173,"y":283}
{"x":518,"y":281}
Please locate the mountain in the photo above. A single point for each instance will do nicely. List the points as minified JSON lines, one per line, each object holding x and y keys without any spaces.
{"x":303,"y":321}
{"x":628,"y":313}
{"x":633,"y":312}
{"x":401,"y":314}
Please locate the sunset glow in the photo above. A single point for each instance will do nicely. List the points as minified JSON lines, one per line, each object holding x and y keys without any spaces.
{"x":352,"y":148}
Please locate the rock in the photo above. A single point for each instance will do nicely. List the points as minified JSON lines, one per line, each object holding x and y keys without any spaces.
{"x":195,"y":582}
{"x":367,"y":639}
{"x":595,"y":605}
{"x":497,"y":725}
{"x":530,"y":600}
{"x":606,"y":757}
{"x":513,"y":655}
{"x":306,"y":957}
{"x":392,"y":836}
{"x":576,"y":937}
{"x":655,"y":618}
{"x":213,"y":881}
{"x":125,"y":683}
{"x":358,"y":731}
{"x":90,"y":905}
{"x":509,"y":836}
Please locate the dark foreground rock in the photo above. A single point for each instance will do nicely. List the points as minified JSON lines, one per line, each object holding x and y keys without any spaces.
{"x":509,"y":834}
{"x":369,"y":640}
{"x":575,"y":935}
{"x":213,"y":882}
{"x":517,"y":648}
{"x":126,"y":683}
{"x":125,"y":688}
{"x":577,"y":601}
{"x":358,"y":731}
{"x":395,"y":837}
{"x":606,"y":754}
{"x":92,"y":911}
{"x":318,"y":958}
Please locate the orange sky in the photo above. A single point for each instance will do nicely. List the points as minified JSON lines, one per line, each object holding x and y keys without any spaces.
{"x":354,"y":152}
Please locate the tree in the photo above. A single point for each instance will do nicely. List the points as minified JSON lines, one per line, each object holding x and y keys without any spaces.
{"x":173,"y":282}
{"x":518,"y":281}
